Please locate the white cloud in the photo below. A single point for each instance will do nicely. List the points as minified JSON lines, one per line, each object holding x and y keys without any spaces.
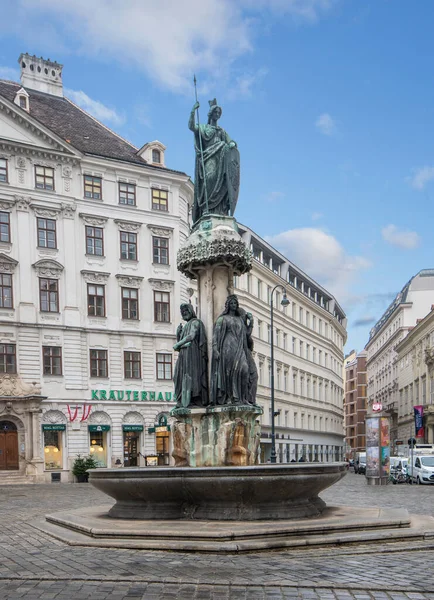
{"x":316,"y":216}
{"x":168,"y":40}
{"x":243,"y":84}
{"x":398,"y":237}
{"x":142,"y":115}
{"x":274,"y":196}
{"x":9,"y":73}
{"x":325,"y":124}
{"x":322,"y":257}
{"x":95,"y":107}
{"x":421,"y":177}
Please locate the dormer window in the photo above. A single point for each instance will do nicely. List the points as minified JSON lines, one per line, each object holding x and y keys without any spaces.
{"x":22,"y":99}
{"x":156,"y":156}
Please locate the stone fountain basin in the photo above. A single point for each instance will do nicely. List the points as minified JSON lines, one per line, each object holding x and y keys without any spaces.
{"x":261,"y":492}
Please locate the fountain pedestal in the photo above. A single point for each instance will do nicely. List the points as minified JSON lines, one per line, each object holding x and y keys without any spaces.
{"x":216,"y":436}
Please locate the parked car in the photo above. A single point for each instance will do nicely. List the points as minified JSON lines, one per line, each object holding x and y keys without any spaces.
{"x":360,"y":463}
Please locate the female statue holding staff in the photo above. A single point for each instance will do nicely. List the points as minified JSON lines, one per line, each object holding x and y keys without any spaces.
{"x":216,"y":189}
{"x":233,"y":370}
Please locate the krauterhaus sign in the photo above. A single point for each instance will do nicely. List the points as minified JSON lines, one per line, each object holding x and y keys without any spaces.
{"x":132,"y":396}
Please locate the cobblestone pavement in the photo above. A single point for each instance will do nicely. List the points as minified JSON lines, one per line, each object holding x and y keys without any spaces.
{"x":35,"y":566}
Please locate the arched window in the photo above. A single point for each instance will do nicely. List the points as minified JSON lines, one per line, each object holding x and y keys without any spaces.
{"x":156,"y":156}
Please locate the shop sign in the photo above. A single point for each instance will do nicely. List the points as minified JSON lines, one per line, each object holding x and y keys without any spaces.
{"x":53,"y":427}
{"x":132,"y":396}
{"x":99,"y":427}
{"x":132,"y":427}
{"x":158,"y":429}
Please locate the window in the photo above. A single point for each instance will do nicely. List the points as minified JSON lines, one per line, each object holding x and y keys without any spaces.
{"x":52,"y":360}
{"x":98,"y":363}
{"x":162,"y":307}
{"x":293,"y":344}
{"x":259,"y":328}
{"x":132,"y":362}
{"x":92,"y":187}
{"x":23,"y":102}
{"x":159,"y":200}
{"x":156,"y":156}
{"x":130,"y":303}
{"x":8,"y":358}
{"x":284,"y":341}
{"x":164,"y":366}
{"x":5,"y":226}
{"x":128,"y":246}
{"x":95,"y":300}
{"x":3,"y":170}
{"x":94,"y":240}
{"x":307,"y":351}
{"x":46,"y":233}
{"x":160,"y":248}
{"x":6,"y":300}
{"x":259,"y":282}
{"x":44,"y":178}
{"x":49,"y":295}
{"x":127,"y":194}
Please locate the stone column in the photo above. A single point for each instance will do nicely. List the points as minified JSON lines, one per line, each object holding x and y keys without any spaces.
{"x":213,"y":253}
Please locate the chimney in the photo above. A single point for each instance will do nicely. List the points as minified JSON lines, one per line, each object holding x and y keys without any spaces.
{"x":41,"y":75}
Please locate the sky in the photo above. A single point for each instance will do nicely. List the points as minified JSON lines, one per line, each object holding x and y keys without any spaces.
{"x":331,"y":103}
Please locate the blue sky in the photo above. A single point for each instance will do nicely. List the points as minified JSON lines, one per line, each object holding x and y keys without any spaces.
{"x":331,"y":103}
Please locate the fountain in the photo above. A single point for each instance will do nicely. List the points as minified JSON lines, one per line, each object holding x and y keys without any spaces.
{"x":236,"y":504}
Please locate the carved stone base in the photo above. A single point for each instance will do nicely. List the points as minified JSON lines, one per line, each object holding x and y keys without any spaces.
{"x":216,"y":436}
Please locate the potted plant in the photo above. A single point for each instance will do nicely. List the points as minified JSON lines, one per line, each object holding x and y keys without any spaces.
{"x":81,"y":466}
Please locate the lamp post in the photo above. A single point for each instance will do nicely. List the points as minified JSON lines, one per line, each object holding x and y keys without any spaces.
{"x":284,"y":302}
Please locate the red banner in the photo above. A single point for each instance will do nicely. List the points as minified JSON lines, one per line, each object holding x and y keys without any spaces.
{"x":418,"y":421}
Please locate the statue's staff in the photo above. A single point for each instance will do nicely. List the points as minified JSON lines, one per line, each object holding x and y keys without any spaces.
{"x":201,"y":151}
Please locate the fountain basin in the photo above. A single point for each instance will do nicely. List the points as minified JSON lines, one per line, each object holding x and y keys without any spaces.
{"x":262,"y":492}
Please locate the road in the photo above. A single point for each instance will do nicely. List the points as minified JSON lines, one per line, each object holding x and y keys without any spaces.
{"x":33,"y":566}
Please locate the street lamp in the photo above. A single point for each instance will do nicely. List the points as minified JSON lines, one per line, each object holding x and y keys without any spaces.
{"x":284,"y":302}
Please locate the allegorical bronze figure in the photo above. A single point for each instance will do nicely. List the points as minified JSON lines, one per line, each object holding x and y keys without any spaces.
{"x":217,"y":168}
{"x":191,"y":370}
{"x":233,"y":370}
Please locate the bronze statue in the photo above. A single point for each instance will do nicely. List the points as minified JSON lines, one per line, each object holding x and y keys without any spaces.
{"x":191,"y":370}
{"x":233,"y":370}
{"x":217,"y":168}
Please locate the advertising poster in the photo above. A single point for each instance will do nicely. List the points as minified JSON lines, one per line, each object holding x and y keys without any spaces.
{"x":372,"y":461}
{"x":385,"y":434}
{"x":372,"y":432}
{"x":385,"y":461}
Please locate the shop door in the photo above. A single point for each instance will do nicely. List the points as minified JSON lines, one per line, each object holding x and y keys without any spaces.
{"x":163,"y":449}
{"x":8,"y":451}
{"x":131,"y":449}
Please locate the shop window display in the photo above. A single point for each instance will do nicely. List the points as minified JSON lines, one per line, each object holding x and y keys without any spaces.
{"x":53,"y":450}
{"x":98,"y":447}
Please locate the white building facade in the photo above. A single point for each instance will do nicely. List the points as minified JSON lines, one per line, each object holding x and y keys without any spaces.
{"x":89,"y":295}
{"x":309,"y":337}
{"x":415,"y":360}
{"x":412,"y":303}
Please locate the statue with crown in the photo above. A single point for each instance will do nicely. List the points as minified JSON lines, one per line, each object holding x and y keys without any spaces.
{"x":217,"y":168}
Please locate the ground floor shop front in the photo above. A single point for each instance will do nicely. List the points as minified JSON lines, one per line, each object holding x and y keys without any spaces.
{"x":40,"y":438}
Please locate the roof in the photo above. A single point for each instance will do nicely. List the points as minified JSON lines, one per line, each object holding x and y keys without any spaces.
{"x":401,"y":298}
{"x":74,"y":125}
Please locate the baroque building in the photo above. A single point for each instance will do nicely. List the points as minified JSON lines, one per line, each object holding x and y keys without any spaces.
{"x":415,"y":360}
{"x":412,"y":303}
{"x":89,"y":291}
{"x":309,"y":337}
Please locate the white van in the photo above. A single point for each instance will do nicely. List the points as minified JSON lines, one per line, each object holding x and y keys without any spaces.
{"x":422,"y":470}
